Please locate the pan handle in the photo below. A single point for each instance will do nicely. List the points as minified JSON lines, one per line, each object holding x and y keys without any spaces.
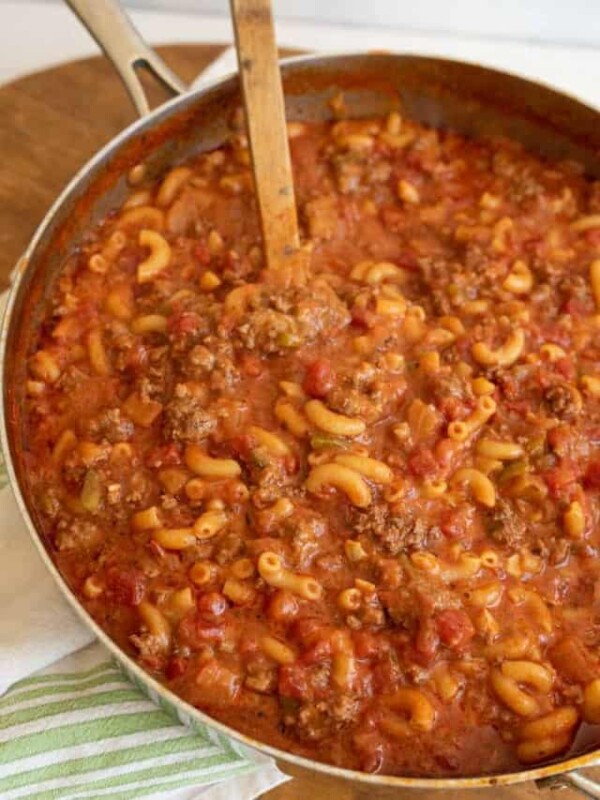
{"x":573,"y":780}
{"x":120,"y":41}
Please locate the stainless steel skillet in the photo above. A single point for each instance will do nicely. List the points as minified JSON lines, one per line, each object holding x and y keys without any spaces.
{"x":442,"y":93}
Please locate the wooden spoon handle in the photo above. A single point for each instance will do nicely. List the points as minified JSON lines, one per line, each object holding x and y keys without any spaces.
{"x":265,"y":118}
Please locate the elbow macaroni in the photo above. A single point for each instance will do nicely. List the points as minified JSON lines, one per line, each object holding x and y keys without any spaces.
{"x":536,"y":606}
{"x":519,"y":280}
{"x":574,"y":520}
{"x":500,"y":451}
{"x":503,"y":356}
{"x":370,"y":468}
{"x":273,"y":572}
{"x":171,"y":185}
{"x":330,"y":422}
{"x":293,"y":420}
{"x":273,"y":443}
{"x":461,"y":430}
{"x":414,"y":703}
{"x":547,"y":736}
{"x":156,"y":623}
{"x":277,"y":650}
{"x":340,"y":477}
{"x":512,"y":696}
{"x":480,"y":485}
{"x":159,"y":258}
{"x":146,"y":216}
{"x":207,"y":467}
{"x":209,"y":524}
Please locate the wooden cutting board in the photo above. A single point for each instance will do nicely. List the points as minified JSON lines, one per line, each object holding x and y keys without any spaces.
{"x":51,"y":123}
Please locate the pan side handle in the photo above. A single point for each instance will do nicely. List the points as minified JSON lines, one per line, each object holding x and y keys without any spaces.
{"x":123,"y":45}
{"x":572,"y":780}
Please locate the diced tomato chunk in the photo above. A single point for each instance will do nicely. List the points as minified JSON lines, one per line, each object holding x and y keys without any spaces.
{"x":592,"y":475}
{"x":251,"y":364}
{"x":422,"y":462}
{"x":242,"y":445}
{"x":593,"y":435}
{"x":566,"y":367}
{"x":445,"y":450}
{"x":573,"y":661}
{"x":386,"y":675}
{"x":369,"y":746}
{"x":451,"y":407}
{"x":219,"y":682}
{"x":454,"y":523}
{"x":308,"y":629}
{"x":128,"y":259}
{"x":196,"y":632}
{"x":362,"y":317}
{"x":454,"y":627}
{"x":249,"y":645}
{"x":427,"y":640}
{"x":294,"y":681}
{"x":408,"y":261}
{"x":201,"y":253}
{"x":319,"y":378}
{"x":393,"y":218}
{"x":577,"y":307}
{"x":126,"y":586}
{"x":519,"y":407}
{"x":212,"y":604}
{"x":555,"y":333}
{"x":559,"y":437}
{"x":167,"y":455}
{"x":320,"y":651}
{"x":186,"y":322}
{"x":560,"y":480}
{"x":366,"y":645}
{"x":283,"y":606}
{"x":233,"y":263}
{"x":176,"y":668}
{"x":137,"y":358}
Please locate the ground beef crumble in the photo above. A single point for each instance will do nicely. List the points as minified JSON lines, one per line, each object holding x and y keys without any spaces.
{"x":562,"y":401}
{"x":506,"y":526}
{"x":185,"y":419}
{"x":394,"y":533}
{"x":110,"y":424}
{"x":316,"y":721}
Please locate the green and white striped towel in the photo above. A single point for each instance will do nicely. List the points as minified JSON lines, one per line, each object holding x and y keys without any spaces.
{"x":72,"y":726}
{"x":80,"y":730}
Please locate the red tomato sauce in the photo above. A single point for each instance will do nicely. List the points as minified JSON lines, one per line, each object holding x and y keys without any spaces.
{"x":349,"y":509}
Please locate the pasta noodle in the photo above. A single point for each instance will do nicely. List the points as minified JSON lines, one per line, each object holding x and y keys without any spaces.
{"x":273,"y":572}
{"x":207,"y":467}
{"x":330,"y":422}
{"x":347,"y":480}
{"x":159,"y":258}
{"x":503,"y":356}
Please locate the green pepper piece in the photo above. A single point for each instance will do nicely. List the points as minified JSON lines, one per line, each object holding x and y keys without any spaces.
{"x":321,"y":442}
{"x":91,"y":492}
{"x":288,"y":339}
{"x":289,"y":705}
{"x":512,"y":471}
{"x":536,"y":446}
{"x":259,"y":458}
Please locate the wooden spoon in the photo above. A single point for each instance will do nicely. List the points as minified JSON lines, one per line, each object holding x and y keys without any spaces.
{"x":265,"y":119}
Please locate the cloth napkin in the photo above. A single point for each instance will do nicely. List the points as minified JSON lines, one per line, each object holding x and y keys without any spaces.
{"x":72,"y":726}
